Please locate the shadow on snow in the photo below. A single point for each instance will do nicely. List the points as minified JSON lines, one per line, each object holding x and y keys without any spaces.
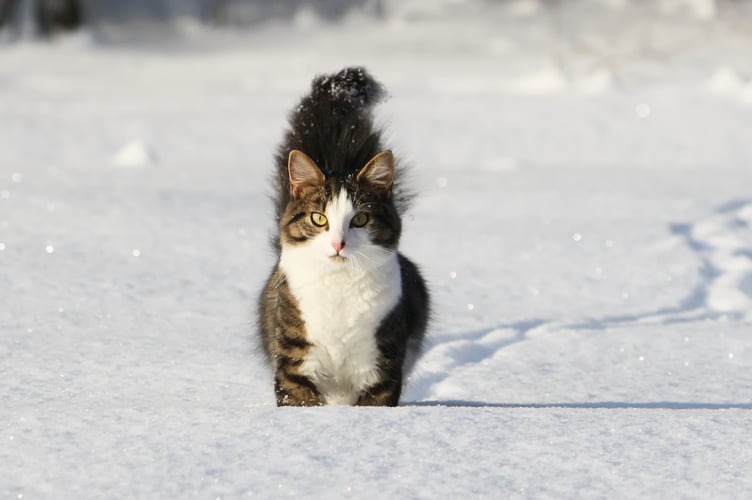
{"x":597,"y":405}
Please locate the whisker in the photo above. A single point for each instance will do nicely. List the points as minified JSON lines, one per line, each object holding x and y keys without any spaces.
{"x":365,"y":256}
{"x":359,"y":257}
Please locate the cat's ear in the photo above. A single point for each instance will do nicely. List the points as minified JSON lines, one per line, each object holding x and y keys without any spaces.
{"x":379,"y":171}
{"x":303,"y":172}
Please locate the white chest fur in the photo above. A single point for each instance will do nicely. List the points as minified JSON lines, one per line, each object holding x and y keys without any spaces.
{"x":342,"y":307}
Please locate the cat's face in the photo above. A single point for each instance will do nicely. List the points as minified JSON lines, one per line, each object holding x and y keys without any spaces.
{"x":334,"y":222}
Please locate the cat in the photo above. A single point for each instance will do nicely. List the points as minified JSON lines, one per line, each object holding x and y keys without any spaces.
{"x":343,"y":314}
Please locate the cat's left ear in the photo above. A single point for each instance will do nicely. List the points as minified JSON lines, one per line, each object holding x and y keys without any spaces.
{"x":303,"y":172}
{"x":379,"y":171}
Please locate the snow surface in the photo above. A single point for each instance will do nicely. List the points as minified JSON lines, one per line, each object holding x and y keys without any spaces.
{"x":583,"y":219}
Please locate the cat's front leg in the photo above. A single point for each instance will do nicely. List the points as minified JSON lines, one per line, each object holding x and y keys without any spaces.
{"x":296,"y":390}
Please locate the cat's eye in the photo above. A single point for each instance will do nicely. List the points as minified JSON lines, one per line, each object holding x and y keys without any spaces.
{"x":359,"y":220}
{"x":318,"y":219}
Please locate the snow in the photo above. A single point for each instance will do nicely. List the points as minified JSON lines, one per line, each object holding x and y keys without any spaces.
{"x":134,"y":154}
{"x":583,"y":220}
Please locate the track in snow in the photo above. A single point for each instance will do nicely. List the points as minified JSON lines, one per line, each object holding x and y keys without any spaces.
{"x":721,"y":242}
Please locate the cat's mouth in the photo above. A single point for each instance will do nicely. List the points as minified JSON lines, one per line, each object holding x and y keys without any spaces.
{"x":338,"y":258}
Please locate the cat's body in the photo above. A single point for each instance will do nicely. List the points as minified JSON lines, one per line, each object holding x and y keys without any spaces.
{"x":342,"y":309}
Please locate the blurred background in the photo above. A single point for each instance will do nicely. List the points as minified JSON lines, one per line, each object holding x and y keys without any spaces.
{"x":48,"y":17}
{"x":602,"y":80}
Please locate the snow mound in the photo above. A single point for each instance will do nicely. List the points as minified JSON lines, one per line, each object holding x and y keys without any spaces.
{"x":728,"y":82}
{"x":134,"y":154}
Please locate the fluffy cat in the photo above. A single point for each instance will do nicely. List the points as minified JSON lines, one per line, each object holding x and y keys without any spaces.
{"x":343,"y":313}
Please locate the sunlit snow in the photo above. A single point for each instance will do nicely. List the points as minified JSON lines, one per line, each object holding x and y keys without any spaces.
{"x":583,"y":218}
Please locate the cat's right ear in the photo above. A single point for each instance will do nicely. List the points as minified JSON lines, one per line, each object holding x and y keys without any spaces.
{"x":303,"y":172}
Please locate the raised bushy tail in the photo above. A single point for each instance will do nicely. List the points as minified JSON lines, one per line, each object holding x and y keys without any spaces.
{"x":352,"y":89}
{"x":333,"y":125}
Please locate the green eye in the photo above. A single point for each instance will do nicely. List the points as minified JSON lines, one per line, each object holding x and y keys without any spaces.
{"x":318,"y":219}
{"x":359,"y":220}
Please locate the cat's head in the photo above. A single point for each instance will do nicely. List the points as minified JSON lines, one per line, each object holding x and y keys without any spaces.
{"x":332,"y":220}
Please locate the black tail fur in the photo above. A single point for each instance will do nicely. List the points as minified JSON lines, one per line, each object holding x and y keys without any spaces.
{"x":333,"y":125}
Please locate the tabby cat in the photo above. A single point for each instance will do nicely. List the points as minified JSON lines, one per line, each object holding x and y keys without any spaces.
{"x":343,"y":314}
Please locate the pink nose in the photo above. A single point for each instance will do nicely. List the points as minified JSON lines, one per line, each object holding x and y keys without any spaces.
{"x":338,"y":246}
